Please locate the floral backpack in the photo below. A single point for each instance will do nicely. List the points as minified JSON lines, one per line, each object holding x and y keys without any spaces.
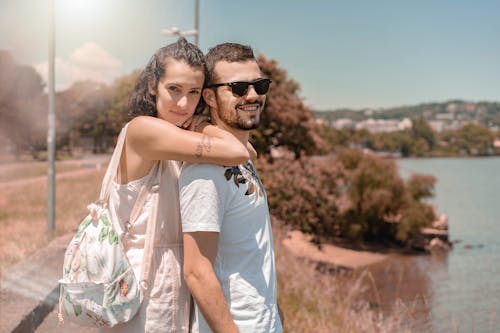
{"x":99,"y":287}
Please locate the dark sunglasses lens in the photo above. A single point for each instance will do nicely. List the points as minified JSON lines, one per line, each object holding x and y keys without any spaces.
{"x":261,"y":86}
{"x":240,"y":88}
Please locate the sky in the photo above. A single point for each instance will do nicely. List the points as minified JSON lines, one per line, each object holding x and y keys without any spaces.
{"x":354,"y":54}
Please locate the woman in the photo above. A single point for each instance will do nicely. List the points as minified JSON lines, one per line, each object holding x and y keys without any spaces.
{"x":163,"y":103}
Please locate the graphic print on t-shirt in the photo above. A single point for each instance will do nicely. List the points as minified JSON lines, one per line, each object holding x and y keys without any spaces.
{"x":246,"y":174}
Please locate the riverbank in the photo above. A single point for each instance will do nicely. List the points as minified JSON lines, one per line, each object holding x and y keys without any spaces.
{"x":330,"y":256}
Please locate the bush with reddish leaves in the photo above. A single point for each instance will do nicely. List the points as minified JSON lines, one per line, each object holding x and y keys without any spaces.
{"x":350,"y":195}
{"x":304,"y":192}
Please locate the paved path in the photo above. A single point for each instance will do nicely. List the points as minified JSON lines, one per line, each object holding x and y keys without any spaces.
{"x":29,"y":289}
{"x":29,"y":293}
{"x":51,"y":325}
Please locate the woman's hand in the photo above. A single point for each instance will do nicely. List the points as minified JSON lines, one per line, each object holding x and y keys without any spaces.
{"x":251,"y":151}
{"x":197,"y":122}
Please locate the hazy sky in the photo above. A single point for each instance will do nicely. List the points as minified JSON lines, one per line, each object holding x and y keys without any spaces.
{"x":348,"y":53}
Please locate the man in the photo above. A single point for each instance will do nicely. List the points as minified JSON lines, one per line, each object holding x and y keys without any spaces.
{"x":229,"y":262}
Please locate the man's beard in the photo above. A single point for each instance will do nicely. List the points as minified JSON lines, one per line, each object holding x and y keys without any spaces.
{"x":245,"y":124}
{"x":233,"y":119}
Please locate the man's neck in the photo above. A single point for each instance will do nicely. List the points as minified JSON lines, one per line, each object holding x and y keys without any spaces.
{"x":241,"y":135}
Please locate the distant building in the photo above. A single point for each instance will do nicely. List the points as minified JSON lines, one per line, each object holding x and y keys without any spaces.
{"x":344,"y":123}
{"x":369,"y":112}
{"x":470,"y":107}
{"x":437,"y":125}
{"x":382,"y":125}
{"x":320,"y":121}
{"x":452,"y":107}
{"x":496,"y":144}
{"x":405,"y":124}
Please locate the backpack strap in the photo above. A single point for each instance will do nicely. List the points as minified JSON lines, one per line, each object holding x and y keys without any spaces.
{"x":147,"y":259}
{"x":112,"y":170}
{"x":151,"y":187}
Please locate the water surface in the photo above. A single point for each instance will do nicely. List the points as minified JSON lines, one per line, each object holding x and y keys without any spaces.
{"x":460,"y":291}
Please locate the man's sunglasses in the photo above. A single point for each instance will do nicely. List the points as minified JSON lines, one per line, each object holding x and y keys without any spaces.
{"x":240,"y":88}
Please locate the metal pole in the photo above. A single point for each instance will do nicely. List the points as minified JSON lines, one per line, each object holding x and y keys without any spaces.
{"x":51,"y":134}
{"x":196,"y":20}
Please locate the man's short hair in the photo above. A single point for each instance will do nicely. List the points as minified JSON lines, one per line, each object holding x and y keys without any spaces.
{"x":230,"y":52}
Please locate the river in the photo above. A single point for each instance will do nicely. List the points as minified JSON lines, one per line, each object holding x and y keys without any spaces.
{"x":458,"y":291}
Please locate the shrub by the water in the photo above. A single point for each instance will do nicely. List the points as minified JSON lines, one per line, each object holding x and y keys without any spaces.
{"x":351,"y":195}
{"x":304,"y":192}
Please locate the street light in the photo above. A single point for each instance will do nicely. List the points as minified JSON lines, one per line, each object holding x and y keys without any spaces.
{"x":196,"y":21}
{"x":175,"y":31}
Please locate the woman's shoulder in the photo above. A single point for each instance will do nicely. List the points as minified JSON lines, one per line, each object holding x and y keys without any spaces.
{"x":148,"y":126}
{"x":141,"y":121}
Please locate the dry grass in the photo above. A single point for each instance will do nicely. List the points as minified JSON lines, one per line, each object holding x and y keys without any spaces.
{"x":23,"y":170}
{"x":318,"y":302}
{"x":23,"y":213}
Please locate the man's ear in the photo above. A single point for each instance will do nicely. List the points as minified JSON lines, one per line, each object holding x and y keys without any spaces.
{"x":151,"y":89}
{"x":209,"y":97}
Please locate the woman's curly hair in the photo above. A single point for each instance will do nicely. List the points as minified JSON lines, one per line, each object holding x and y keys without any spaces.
{"x":141,"y":101}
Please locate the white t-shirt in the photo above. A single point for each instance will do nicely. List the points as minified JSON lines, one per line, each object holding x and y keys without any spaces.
{"x":232,"y":202}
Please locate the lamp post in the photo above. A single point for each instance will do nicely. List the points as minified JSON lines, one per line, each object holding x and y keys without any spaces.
{"x":196,"y":21}
{"x":51,"y":133}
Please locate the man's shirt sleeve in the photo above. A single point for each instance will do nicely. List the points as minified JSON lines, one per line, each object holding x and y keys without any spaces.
{"x":202,"y":192}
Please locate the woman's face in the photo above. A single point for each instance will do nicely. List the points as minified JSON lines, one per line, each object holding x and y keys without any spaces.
{"x":178,"y":91}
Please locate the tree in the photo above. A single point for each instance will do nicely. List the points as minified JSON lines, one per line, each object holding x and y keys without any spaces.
{"x":475,"y":139}
{"x":82,"y":111}
{"x":375,"y":192}
{"x":303,"y":193}
{"x":421,"y":131}
{"x":118,"y":113}
{"x":421,"y":186}
{"x":381,"y":205}
{"x":94,"y":110}
{"x":286,"y":121}
{"x":22,"y":112}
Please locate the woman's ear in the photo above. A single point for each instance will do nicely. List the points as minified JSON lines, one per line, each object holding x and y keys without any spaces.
{"x":209,"y":97}
{"x":151,"y":88}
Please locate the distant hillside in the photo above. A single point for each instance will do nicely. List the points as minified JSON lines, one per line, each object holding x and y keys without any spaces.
{"x":487,"y":113}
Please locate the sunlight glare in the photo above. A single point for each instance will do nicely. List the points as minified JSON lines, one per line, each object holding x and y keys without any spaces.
{"x":79,"y":6}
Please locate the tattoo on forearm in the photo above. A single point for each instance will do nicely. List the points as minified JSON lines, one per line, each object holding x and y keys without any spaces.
{"x":204,"y":146}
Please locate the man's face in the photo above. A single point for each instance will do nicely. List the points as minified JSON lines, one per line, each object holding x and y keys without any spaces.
{"x":238,"y":112}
